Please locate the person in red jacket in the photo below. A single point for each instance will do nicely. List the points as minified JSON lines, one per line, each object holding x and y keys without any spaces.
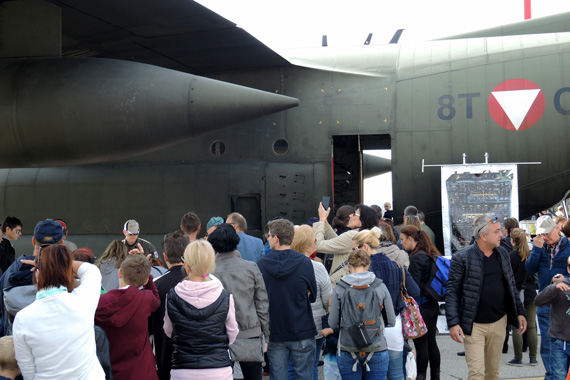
{"x":123,"y":314}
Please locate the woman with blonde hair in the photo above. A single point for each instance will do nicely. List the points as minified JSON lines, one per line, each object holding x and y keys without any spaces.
{"x":392,"y":275}
{"x":304,"y":242}
{"x":527,"y":287}
{"x":413,"y":220}
{"x":200,"y":319}
{"x":374,"y":363}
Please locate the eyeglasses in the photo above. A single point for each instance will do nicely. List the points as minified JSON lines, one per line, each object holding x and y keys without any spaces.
{"x":355,"y":248}
{"x":494,"y":219}
{"x":267,"y":236}
{"x":130,"y":233}
{"x":19,"y":232}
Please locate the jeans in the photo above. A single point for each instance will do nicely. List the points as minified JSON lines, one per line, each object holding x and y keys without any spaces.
{"x":543,"y":316}
{"x":302,"y":353}
{"x":318,"y":347}
{"x":559,"y":359}
{"x":378,"y":366}
{"x":395,"y":365}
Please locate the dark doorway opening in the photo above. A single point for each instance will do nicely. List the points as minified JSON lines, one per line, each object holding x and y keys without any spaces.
{"x":349,"y":167}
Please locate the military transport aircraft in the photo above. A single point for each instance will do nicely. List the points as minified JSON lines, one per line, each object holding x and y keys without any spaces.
{"x":124,"y":109}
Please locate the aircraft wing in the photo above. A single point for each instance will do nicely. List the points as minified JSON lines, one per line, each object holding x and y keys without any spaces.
{"x":550,"y":24}
{"x":179,"y":35}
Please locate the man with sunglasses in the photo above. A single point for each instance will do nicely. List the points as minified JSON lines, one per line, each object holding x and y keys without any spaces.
{"x":47,"y":232}
{"x":548,"y":257}
{"x":131,"y":230}
{"x":482,"y":298}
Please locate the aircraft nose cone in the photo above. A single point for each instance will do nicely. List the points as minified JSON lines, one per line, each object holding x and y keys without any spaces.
{"x":213,"y":104}
{"x":65,"y":111}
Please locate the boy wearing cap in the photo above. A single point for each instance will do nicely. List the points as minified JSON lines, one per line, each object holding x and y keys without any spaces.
{"x":20,"y":274}
{"x":131,"y":231}
{"x":123,"y":313}
{"x":548,"y":257}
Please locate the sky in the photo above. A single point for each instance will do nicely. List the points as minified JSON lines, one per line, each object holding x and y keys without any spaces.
{"x":295,"y":24}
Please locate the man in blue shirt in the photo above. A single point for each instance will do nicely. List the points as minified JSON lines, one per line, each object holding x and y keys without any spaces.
{"x":250,"y":247}
{"x":548,"y":257}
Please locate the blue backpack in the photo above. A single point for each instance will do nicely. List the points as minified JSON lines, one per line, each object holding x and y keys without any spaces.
{"x":436,"y":286}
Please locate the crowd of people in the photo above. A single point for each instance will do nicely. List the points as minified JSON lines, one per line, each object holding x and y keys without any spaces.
{"x":220,"y":306}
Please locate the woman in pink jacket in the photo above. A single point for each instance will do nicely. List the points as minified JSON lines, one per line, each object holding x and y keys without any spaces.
{"x":200,"y":319}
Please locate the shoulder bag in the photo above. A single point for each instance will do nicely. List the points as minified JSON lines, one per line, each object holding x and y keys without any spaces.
{"x":413,"y":325}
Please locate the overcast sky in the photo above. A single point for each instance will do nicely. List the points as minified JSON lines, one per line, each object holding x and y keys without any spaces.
{"x":301,"y":23}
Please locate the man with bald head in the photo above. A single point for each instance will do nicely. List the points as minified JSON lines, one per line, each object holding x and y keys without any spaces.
{"x":250,"y":247}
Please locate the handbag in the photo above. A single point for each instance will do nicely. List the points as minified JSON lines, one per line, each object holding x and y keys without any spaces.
{"x":247,"y":350}
{"x":413,"y":325}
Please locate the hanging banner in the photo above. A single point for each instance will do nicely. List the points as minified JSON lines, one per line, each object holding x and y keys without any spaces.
{"x":469,"y":191}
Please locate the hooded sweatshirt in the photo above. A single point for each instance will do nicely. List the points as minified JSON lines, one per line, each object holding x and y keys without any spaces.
{"x":559,"y":311}
{"x":288,"y":275}
{"x":109,"y":274}
{"x":359,"y":279}
{"x":394,"y":253}
{"x":201,"y":295}
{"x":123,"y":314}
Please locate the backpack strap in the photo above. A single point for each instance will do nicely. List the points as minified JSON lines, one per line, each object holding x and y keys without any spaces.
{"x":364,"y":363}
{"x":403,"y":288}
{"x":344,"y":285}
{"x":340,"y":267}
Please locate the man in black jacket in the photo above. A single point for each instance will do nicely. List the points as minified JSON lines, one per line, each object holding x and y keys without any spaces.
{"x":482,"y":298}
{"x":11,"y":231}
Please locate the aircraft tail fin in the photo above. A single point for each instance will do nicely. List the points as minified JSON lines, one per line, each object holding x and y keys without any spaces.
{"x":396,"y":36}
{"x":368,"y":39}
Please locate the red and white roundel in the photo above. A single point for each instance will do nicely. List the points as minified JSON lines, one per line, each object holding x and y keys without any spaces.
{"x":516,"y":104}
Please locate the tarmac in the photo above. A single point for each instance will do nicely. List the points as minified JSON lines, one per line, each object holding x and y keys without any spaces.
{"x":454,"y":367}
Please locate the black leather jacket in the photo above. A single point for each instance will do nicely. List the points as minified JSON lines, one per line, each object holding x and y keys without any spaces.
{"x":464,"y":288}
{"x":199,"y":336}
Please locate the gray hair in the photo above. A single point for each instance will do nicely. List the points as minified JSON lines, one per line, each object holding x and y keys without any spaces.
{"x":481,"y":224}
{"x":411,"y":211}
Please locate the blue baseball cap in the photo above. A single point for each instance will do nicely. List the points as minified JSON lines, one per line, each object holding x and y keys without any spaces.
{"x":48,"y":228}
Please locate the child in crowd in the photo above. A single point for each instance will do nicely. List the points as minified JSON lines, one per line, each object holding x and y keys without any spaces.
{"x":8,"y":365}
{"x":123,"y":314}
{"x":558,"y":296}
